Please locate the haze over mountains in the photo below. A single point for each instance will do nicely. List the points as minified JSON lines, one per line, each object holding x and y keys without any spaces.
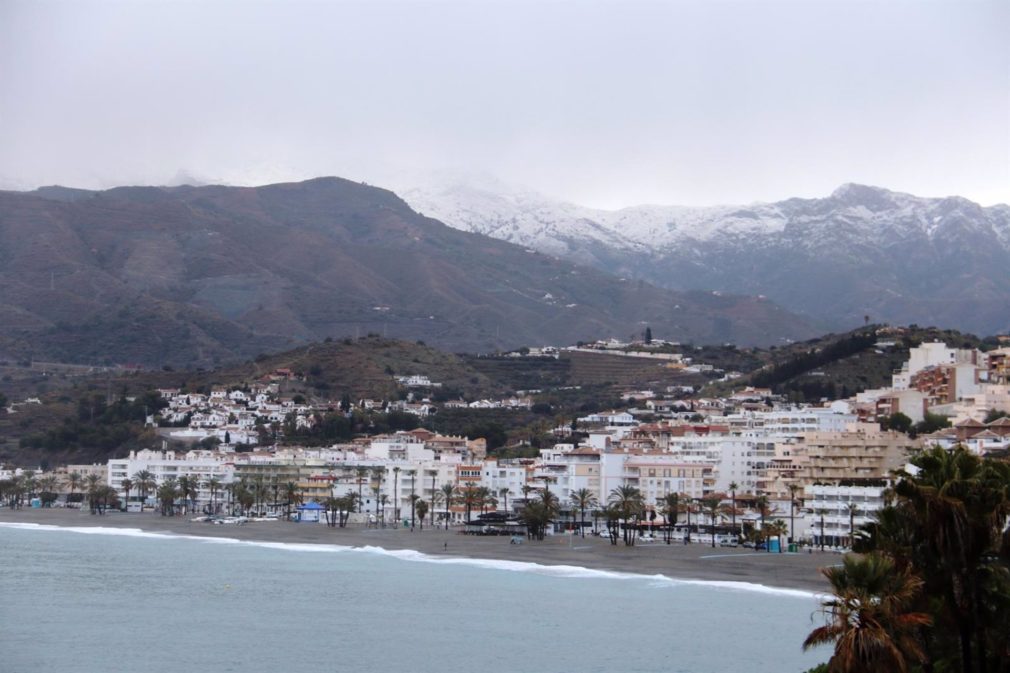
{"x":200,"y":275}
{"x":860,"y":251}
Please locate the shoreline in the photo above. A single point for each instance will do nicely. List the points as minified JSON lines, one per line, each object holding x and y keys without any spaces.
{"x":697,"y":562}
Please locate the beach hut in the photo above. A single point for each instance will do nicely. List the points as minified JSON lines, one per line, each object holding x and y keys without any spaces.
{"x":310,"y":512}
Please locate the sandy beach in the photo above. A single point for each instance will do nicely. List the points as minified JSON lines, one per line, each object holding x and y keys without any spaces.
{"x":697,"y":561}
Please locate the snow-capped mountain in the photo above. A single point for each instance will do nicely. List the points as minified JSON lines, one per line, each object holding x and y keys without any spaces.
{"x":862,"y":251}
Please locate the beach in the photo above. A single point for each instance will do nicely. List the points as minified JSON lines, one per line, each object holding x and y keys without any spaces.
{"x":698,"y":561}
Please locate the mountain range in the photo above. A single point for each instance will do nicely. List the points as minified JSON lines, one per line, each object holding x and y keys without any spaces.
{"x":860,"y":252}
{"x":196,"y":276}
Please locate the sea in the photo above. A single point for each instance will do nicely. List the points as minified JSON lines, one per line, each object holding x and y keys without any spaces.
{"x":109,"y":600}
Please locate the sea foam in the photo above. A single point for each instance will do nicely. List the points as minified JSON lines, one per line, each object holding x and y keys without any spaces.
{"x":559,"y":571}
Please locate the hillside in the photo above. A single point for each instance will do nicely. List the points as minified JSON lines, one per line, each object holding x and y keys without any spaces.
{"x":896,"y":257}
{"x":198,"y":276}
{"x":840,"y":365}
{"x":85,"y":417}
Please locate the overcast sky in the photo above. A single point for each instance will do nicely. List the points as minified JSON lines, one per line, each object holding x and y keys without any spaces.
{"x":601,"y":103}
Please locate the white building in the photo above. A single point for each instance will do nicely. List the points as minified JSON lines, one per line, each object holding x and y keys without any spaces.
{"x":164,"y":465}
{"x":834,"y":501}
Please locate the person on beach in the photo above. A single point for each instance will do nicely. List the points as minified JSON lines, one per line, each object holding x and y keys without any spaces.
{"x":445,"y":546}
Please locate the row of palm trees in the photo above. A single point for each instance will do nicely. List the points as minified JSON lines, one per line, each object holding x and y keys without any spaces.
{"x":930,"y":588}
{"x":22,"y":488}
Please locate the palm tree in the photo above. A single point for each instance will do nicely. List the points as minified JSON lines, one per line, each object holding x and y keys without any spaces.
{"x":688,"y":505}
{"x":28,"y":478}
{"x":188,"y":490}
{"x":377,"y":474}
{"x":259,"y":489}
{"x":362,"y":472}
{"x":421,"y":508}
{"x":92,"y":482}
{"x":763,"y":510}
{"x":504,"y":493}
{"x":413,"y":497}
{"x":468,"y":497}
{"x":213,"y":484}
{"x":583,"y":499}
{"x":350,"y":504}
{"x":711,"y":505}
{"x":538,"y":514}
{"x":869,"y":617}
{"x":127,"y":486}
{"x":959,"y":503}
{"x":448,"y":496}
{"x":671,"y":510}
{"x":629,"y":501}
{"x":792,"y":511}
{"x":821,"y":512}
{"x":74,"y":480}
{"x":779,"y":529}
{"x":168,"y":491}
{"x":146,"y":482}
{"x":291,"y":495}
{"x":47,"y":489}
{"x":733,"y":486}
{"x":333,"y":506}
{"x":853,"y":510}
{"x":484,"y":498}
{"x":396,"y":493}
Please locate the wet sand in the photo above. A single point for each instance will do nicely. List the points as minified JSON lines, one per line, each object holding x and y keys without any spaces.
{"x":697,"y":561}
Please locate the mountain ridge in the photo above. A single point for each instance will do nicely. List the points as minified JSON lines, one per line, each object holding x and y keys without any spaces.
{"x":210,"y":274}
{"x":870,"y":250}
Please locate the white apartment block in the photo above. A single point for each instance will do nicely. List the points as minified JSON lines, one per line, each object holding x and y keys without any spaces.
{"x":165,"y":465}
{"x":834,"y":501}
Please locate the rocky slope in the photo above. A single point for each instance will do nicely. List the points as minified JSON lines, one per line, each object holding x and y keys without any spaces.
{"x":201,"y":275}
{"x":860,"y":251}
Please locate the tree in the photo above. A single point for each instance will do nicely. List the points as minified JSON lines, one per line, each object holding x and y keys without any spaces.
{"x":377,"y":474}
{"x":629,"y":502}
{"x":853,"y":509}
{"x":168,"y":491}
{"x":127,"y":486}
{"x":538,"y":514}
{"x":144,"y":481}
{"x":779,"y":529}
{"x":396,"y":493}
{"x":47,"y":489}
{"x":792,"y":511}
{"x":213,"y":484}
{"x":74,"y":480}
{"x":583,"y":499}
{"x":930,"y":423}
{"x":821,"y":512}
{"x":994,"y":415}
{"x":188,"y":488}
{"x":648,"y":335}
{"x":870,"y":620}
{"x":362,"y":473}
{"x":448,"y":497}
{"x":504,"y":493}
{"x":763,"y":510}
{"x":421,"y":508}
{"x":733,"y":486}
{"x":292,"y":495}
{"x":711,"y":504}
{"x":897,"y":421}
{"x":671,"y":510}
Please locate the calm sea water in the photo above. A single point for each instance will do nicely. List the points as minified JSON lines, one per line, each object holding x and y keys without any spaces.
{"x":113,"y":601}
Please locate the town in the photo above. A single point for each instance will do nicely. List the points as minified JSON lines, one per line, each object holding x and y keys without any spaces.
{"x":745,"y":468}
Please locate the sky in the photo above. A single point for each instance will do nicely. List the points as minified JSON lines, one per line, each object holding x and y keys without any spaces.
{"x":605,"y":104}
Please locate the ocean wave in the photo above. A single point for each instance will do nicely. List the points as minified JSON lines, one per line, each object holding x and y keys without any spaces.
{"x":559,"y":571}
